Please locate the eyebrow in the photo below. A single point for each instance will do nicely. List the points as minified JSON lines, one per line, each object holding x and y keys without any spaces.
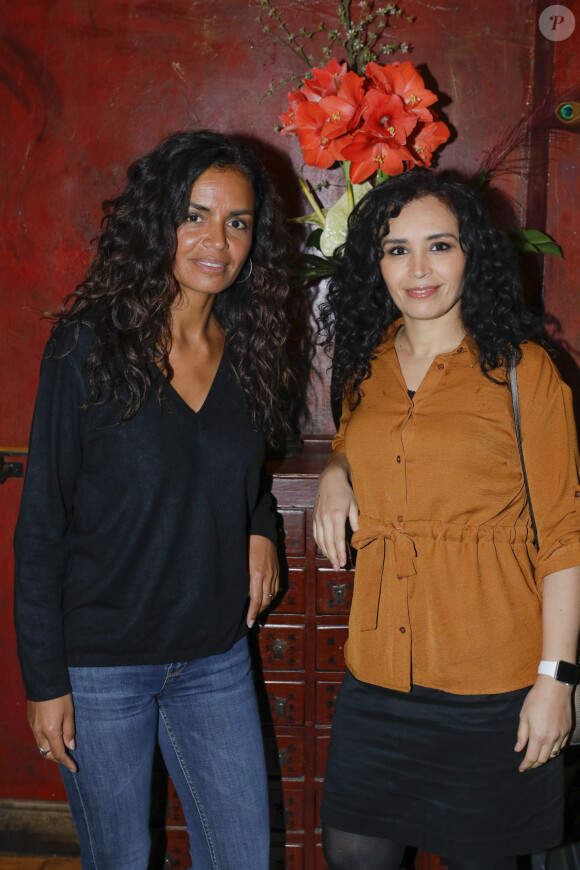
{"x":235,"y":213}
{"x":390,"y":241}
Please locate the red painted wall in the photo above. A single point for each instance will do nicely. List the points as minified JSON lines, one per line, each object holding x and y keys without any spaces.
{"x":86,"y":86}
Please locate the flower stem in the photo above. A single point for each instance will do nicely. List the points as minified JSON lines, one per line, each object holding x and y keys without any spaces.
{"x":349,"y":190}
{"x":315,"y":207}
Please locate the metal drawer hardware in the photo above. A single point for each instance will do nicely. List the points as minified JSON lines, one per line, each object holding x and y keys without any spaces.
{"x":11,"y":469}
{"x":338,"y":593}
{"x":279,"y":648}
{"x":283,"y":756}
{"x":280,"y":706}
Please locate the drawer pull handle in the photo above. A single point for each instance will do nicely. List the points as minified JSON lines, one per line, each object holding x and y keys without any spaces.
{"x":338,"y":593}
{"x":279,"y":648}
{"x":282,"y":755}
{"x":280,"y":706}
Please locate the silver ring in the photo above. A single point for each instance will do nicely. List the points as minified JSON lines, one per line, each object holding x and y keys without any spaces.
{"x":270,"y":594}
{"x":554,"y":753}
{"x":44,"y":752}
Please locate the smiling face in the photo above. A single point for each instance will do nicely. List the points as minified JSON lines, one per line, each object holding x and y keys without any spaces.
{"x":214,"y":241}
{"x":423,"y":263}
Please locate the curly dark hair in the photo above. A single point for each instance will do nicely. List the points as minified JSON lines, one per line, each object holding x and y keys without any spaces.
{"x":358,"y":310}
{"x":129,"y":287}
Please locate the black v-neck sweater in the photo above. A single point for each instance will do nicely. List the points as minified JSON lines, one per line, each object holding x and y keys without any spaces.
{"x":132,"y":540}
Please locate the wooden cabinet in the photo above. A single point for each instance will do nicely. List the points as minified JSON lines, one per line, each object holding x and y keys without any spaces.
{"x":300,"y":665}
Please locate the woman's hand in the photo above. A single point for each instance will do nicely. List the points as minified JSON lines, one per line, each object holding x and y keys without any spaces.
{"x":53,"y":725}
{"x":335,"y":503}
{"x":264,"y":576}
{"x":545,"y":721}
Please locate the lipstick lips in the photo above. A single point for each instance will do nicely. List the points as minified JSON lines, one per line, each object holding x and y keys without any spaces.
{"x":421,"y":292}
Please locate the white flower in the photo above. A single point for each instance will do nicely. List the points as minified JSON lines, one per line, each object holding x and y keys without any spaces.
{"x":334,"y":232}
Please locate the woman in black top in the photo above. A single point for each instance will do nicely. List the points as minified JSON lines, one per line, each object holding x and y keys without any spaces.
{"x":145,"y":542}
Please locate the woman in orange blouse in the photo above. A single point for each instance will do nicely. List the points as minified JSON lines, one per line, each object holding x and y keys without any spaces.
{"x":444,"y":725}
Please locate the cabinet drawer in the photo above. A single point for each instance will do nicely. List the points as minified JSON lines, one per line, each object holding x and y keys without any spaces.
{"x":318,"y":788}
{"x":286,"y":807}
{"x":289,"y":858}
{"x":319,"y":862}
{"x":322,"y":743}
{"x":177,"y":849}
{"x":294,"y":532}
{"x":285,"y":754}
{"x":285,"y":703}
{"x":330,"y":641}
{"x":282,"y":647}
{"x":333,"y":590}
{"x":174,"y":813}
{"x":294,"y":600}
{"x":325,"y":700}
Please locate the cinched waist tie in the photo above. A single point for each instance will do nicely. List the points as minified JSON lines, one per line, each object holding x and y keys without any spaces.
{"x":377,"y":534}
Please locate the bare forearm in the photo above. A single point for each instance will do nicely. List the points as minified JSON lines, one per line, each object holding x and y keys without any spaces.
{"x":561,"y":615}
{"x":546,"y":716}
{"x":334,"y":504}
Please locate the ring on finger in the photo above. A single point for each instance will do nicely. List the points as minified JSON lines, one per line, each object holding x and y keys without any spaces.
{"x":554,"y":753}
{"x":269,"y":594}
{"x":44,"y":752}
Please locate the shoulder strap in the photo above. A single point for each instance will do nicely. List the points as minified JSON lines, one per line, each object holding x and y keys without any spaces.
{"x":513,"y":378}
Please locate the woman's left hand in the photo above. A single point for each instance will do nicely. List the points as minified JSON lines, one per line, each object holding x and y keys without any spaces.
{"x":264,"y":576}
{"x":545,"y":722}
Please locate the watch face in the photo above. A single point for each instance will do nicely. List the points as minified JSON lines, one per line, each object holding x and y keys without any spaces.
{"x":566,"y":673}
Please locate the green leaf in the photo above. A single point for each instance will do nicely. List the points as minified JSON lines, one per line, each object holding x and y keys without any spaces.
{"x":535,"y":237}
{"x":309,"y":218}
{"x":310,"y":266}
{"x":313,"y":240}
{"x":481,"y":180}
{"x":535,"y":242}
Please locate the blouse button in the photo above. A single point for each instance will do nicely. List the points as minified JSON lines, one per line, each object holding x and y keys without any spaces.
{"x":399,"y":577}
{"x":399,"y":519}
{"x":402,"y":629}
{"x":577,"y":493}
{"x":398,"y":458}
{"x":440,"y":366}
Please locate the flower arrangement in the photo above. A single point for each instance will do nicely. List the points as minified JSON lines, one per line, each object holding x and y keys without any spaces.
{"x":377,"y":122}
{"x":373,"y":120}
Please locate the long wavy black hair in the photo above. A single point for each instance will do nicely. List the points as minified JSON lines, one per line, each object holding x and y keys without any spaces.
{"x":358,"y":307}
{"x":129,"y":287}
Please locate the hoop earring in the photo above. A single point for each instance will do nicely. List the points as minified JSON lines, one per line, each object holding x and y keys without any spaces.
{"x":241,"y":280}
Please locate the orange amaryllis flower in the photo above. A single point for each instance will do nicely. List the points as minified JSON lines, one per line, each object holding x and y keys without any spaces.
{"x":295,"y":97}
{"x":344,"y":110}
{"x":385,"y":117}
{"x":404,"y":80}
{"x":325,"y":81}
{"x":428,"y":138}
{"x":317,"y":149}
{"x":368,"y":153}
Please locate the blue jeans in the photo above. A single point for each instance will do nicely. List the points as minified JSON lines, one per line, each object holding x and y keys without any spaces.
{"x":205,"y":716}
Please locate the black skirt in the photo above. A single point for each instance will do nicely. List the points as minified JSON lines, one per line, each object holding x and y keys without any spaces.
{"x":439,"y":772}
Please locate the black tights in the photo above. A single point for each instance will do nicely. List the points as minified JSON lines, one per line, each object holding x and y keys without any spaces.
{"x":345,"y":851}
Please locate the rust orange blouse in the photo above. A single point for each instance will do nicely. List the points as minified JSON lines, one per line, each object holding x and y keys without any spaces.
{"x":448,"y":583}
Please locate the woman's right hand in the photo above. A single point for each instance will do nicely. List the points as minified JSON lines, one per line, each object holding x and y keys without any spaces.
{"x":53,"y":726}
{"x":335,"y":503}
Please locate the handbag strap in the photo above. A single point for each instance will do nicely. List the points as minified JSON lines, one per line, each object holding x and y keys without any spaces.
{"x":513,"y":378}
